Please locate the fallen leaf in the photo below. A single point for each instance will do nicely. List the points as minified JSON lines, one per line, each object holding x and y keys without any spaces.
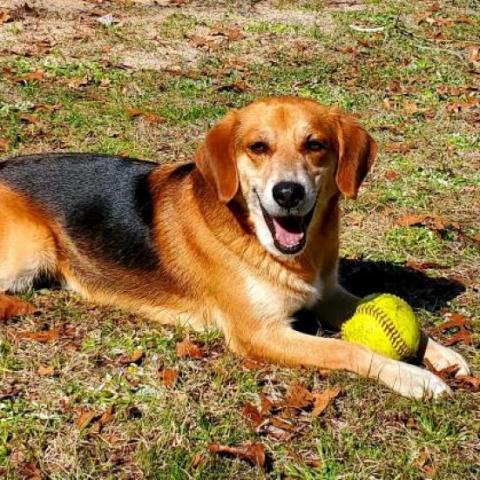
{"x":27,"y":118}
{"x":430,"y":221}
{"x":251,"y":452}
{"x":467,"y":382}
{"x":45,"y":371}
{"x":474,"y":53}
{"x":251,"y":364}
{"x":197,"y":460}
{"x":133,"y":112}
{"x":30,"y":471}
{"x":105,"y":418}
{"x":32,"y":76}
{"x":186,"y":348}
{"x":277,"y":429}
{"x":152,"y":118}
{"x":398,"y":147}
{"x":392,"y":175}
{"x":266,"y":405}
{"x":135,"y":357}
{"x":462,"y":336}
{"x":168,"y":376}
{"x":85,"y":418}
{"x":421,"y":266}
{"x":298,"y":397}
{"x":234,"y":33}
{"x":42,"y":337}
{"x":5,"y":17}
{"x":323,"y":399}
{"x":409,"y":107}
{"x":251,"y":413}
{"x":448,"y":375}
{"x":11,"y":391}
{"x":4,"y":144}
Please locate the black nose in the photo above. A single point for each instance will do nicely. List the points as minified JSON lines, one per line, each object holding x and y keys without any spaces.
{"x":288,"y":194}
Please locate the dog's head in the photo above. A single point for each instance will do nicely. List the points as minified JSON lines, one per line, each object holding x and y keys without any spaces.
{"x":285,"y":156}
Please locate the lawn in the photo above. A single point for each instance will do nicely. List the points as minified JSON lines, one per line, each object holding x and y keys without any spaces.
{"x":92,"y":393}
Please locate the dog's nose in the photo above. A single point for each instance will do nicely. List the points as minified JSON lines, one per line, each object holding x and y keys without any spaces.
{"x":288,"y":194}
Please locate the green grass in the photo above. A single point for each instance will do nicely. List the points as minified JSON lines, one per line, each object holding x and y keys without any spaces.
{"x":81,"y":105}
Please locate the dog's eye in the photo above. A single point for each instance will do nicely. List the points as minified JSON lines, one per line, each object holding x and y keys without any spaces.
{"x":258,"y":147}
{"x":315,"y":145}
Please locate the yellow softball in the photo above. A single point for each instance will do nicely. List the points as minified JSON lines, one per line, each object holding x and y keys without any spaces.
{"x":385,"y":324}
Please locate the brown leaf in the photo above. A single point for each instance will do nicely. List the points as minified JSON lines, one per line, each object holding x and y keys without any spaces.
{"x":168,"y":376}
{"x":398,"y":147}
{"x":197,"y":460}
{"x":32,"y":76}
{"x":133,"y":112}
{"x":411,"y":220}
{"x":252,"y":364}
{"x":421,"y":266}
{"x":27,"y":118}
{"x":152,"y":118}
{"x":474,"y":53}
{"x":234,"y":33}
{"x":392,"y":175}
{"x":463,"y":336}
{"x":251,"y":413}
{"x":186,"y":348}
{"x":251,"y":452}
{"x":106,"y":417}
{"x":266,"y":405}
{"x":45,"y":371}
{"x":409,"y":107}
{"x":298,"y":397}
{"x":10,"y":391}
{"x":42,"y":337}
{"x":323,"y":399}
{"x":135,"y":357}
{"x":85,"y":418}
{"x":4,"y":144}
{"x":5,"y":17}
{"x":467,"y":382}
{"x":30,"y":471}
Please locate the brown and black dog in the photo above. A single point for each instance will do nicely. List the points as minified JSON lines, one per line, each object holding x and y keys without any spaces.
{"x":241,"y":239}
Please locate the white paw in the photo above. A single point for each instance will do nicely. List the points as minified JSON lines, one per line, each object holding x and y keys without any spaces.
{"x":442,"y":357}
{"x":414,"y":382}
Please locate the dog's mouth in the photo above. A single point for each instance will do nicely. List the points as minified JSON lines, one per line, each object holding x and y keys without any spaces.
{"x":289,"y":232}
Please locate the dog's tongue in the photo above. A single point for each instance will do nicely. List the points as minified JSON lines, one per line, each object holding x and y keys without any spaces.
{"x":288,"y":230}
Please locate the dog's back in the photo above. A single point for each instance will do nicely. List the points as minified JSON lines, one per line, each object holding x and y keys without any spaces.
{"x":101,"y":201}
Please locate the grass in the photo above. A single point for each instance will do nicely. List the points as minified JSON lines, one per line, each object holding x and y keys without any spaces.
{"x":181,"y":65}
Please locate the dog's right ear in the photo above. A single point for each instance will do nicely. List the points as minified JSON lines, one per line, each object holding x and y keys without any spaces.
{"x":216,"y":158}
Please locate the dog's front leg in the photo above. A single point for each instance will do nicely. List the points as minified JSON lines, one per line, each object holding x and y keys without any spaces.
{"x":335,"y":307}
{"x":280,"y":343}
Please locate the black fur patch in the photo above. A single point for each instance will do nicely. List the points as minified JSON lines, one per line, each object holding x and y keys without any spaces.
{"x":103,"y":202}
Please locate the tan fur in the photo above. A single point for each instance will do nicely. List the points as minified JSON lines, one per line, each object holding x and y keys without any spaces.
{"x":215,"y":270}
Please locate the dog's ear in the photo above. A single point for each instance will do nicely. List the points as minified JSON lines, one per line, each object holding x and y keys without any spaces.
{"x":356,"y":153}
{"x":216,"y":158}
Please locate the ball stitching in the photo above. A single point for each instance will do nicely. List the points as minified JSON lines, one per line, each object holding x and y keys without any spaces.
{"x":398,"y":343}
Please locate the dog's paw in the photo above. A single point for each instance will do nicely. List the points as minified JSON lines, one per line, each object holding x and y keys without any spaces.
{"x":13,"y":307}
{"x":414,"y":382}
{"x":441,"y":357}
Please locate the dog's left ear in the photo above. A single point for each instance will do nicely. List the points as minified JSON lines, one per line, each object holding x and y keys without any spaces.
{"x":356,"y":153}
{"x":216,"y":158}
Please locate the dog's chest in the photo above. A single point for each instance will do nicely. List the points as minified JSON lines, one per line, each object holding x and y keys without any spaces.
{"x":279,"y":299}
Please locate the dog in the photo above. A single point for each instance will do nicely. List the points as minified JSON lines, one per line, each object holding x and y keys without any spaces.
{"x":240,"y":239}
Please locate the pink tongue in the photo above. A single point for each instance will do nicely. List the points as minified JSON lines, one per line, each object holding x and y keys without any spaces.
{"x":284,"y":237}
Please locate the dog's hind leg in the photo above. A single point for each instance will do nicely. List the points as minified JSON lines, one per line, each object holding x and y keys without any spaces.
{"x":27,"y":249}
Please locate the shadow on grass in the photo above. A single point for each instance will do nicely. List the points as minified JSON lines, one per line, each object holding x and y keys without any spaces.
{"x":363,"y":277}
